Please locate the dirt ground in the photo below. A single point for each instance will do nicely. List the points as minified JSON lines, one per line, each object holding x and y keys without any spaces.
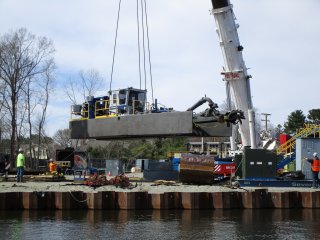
{"x":137,"y":185}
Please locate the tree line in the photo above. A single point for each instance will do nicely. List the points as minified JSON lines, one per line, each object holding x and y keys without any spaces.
{"x":297,"y":120}
{"x":26,"y":75}
{"x":157,"y":148}
{"x":27,"y":80}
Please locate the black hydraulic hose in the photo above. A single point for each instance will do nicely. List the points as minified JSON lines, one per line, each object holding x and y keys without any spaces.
{"x":200,"y":102}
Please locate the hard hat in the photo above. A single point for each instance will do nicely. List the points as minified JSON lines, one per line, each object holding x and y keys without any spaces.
{"x":315,"y":154}
{"x":50,"y":160}
{"x":20,"y":150}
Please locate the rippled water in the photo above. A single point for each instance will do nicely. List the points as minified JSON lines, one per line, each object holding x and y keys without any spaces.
{"x":187,"y":224}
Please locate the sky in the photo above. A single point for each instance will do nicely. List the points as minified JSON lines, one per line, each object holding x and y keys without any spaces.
{"x":280,"y":38}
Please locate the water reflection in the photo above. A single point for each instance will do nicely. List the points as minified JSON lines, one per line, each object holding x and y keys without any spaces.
{"x":187,"y":224}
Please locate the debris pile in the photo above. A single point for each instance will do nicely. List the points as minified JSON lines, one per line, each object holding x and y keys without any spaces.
{"x":100,"y":180}
{"x":164,"y":182}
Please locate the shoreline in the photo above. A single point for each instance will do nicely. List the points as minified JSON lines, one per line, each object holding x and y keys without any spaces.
{"x":33,"y":195}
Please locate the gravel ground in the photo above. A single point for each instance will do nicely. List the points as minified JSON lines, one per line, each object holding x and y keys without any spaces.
{"x":138,"y":186}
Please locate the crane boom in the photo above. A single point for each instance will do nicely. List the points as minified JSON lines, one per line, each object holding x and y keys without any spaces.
{"x":235,"y":71}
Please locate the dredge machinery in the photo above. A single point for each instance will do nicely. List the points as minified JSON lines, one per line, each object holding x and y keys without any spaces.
{"x":125,"y":114}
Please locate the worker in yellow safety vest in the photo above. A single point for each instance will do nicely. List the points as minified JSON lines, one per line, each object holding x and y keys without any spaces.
{"x":20,"y":165}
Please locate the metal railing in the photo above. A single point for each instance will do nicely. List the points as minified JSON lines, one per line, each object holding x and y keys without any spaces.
{"x":103,"y":109}
{"x":309,"y":129}
{"x":82,"y":115}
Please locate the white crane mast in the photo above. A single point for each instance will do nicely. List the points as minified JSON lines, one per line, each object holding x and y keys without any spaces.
{"x":235,"y":71}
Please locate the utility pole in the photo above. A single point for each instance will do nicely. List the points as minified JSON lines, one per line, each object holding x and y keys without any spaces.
{"x":266,"y":115}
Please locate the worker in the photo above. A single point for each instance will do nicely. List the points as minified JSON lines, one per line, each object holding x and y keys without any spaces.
{"x":315,"y":168}
{"x":20,"y":165}
{"x":52,"y":166}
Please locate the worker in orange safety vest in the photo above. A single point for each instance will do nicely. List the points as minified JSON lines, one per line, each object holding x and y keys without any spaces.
{"x":52,"y":166}
{"x":315,"y":169}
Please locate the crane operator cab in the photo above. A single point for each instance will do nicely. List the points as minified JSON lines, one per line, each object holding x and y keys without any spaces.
{"x":127,"y":101}
{"x":118,"y":102}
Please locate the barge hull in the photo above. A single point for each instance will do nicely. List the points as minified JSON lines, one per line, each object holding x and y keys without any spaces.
{"x":275,"y":183}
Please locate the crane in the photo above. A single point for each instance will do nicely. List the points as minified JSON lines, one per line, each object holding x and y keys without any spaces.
{"x":201,"y":169}
{"x":124,"y":114}
{"x":235,"y":72}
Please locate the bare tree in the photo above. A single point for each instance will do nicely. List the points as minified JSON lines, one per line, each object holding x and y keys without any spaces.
{"x":90,"y":82}
{"x":22,"y":56}
{"x":2,"y":87}
{"x":5,"y":128}
{"x":71,"y":90}
{"x":45,"y":88}
{"x":21,"y":120}
{"x":62,"y":137}
{"x":31,"y":105}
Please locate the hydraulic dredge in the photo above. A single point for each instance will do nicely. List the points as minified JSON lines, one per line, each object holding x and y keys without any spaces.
{"x":125,"y":114}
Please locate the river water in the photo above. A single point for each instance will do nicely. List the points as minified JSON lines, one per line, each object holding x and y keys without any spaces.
{"x":168,"y":224}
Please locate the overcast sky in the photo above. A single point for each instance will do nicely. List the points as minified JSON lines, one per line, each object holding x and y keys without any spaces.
{"x":280,"y":37}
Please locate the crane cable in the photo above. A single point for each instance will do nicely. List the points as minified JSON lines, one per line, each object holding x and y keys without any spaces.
{"x":143,"y":45}
{"x":145,"y":28}
{"x":149,"y":53}
{"x":139,"y":50}
{"x":115,"y":44}
{"x":145,"y":37}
